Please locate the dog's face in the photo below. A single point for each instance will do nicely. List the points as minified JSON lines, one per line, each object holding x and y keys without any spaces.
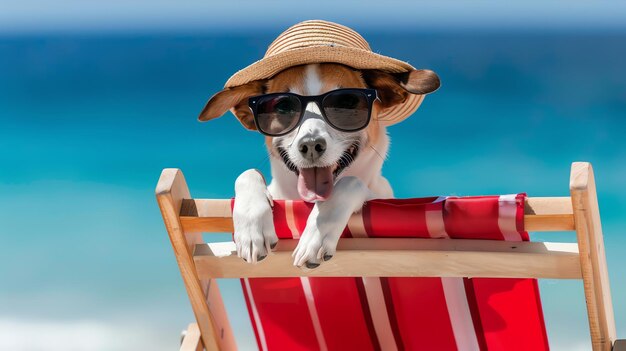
{"x":314,"y":151}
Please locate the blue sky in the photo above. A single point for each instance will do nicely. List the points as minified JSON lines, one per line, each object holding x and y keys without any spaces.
{"x":27,"y":16}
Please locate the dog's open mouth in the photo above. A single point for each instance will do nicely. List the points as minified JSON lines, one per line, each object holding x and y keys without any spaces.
{"x":316,"y":183}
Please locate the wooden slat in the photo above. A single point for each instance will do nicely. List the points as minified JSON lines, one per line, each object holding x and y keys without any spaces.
{"x":541,"y":214}
{"x":191,"y":341}
{"x":548,"y":214}
{"x":592,"y":256}
{"x":403,"y":258}
{"x":206,"y":215}
{"x":170,"y":192}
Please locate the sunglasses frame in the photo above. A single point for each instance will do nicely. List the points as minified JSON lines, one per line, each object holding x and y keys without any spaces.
{"x":370,"y":94}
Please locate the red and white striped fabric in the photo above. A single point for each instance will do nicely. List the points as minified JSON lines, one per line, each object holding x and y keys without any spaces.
{"x":402,"y":313}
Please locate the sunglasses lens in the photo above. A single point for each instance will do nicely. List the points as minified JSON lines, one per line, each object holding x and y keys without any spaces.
{"x":278,"y":114}
{"x":347,"y":110}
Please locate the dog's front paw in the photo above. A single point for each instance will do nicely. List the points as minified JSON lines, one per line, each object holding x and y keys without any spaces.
{"x":254,"y":232}
{"x":328,"y":220}
{"x":252,"y":218}
{"x":319,"y":239}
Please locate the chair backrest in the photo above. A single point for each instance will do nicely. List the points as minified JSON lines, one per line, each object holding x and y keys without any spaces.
{"x":200,"y":264}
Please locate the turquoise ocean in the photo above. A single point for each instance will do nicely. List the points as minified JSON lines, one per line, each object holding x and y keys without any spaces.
{"x":87,"y":123}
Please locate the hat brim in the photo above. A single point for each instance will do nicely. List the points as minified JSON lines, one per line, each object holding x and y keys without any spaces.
{"x":353,"y":57}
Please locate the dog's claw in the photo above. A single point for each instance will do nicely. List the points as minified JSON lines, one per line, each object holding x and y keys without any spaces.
{"x":312,"y":265}
{"x":327,"y":257}
{"x":261,"y":258}
{"x":273,"y":246}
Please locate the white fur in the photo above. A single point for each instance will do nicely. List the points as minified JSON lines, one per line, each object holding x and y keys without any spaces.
{"x":312,"y":80}
{"x":362,"y":180}
{"x":328,"y":219}
{"x":252,"y":217}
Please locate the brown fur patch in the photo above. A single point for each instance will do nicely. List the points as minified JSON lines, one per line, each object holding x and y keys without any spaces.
{"x":335,"y":76}
{"x":389,"y":90}
{"x":332,"y":75}
{"x":235,"y":99}
{"x":421,"y":81}
{"x":289,"y":79}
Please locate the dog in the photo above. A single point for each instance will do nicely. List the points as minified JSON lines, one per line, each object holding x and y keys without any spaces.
{"x":338,"y":170}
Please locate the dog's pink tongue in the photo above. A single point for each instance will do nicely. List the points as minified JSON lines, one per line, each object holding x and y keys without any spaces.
{"x":315,"y":183}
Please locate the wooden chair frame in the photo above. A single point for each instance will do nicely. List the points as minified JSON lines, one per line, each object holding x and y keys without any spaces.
{"x":201,"y":264}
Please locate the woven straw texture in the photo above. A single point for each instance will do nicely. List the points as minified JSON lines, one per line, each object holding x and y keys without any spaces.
{"x":320,"y":41}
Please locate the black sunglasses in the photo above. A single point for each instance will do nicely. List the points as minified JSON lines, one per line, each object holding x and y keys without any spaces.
{"x":347,"y":110}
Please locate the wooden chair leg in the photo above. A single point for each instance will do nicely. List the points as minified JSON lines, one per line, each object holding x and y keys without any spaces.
{"x":215,"y":334}
{"x":191,"y":340}
{"x":592,"y":256}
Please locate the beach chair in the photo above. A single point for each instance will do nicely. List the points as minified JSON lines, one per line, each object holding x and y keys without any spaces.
{"x":408,"y":273}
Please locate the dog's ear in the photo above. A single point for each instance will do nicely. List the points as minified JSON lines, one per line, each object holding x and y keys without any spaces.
{"x":393,"y":88}
{"x":233,"y":99}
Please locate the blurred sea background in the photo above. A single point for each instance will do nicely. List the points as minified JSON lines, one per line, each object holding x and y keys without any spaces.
{"x":94,"y":103}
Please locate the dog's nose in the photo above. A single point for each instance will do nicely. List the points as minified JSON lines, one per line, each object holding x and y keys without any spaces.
{"x":312,"y":148}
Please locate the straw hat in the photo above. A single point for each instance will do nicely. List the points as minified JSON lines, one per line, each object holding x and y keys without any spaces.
{"x":320,"y":41}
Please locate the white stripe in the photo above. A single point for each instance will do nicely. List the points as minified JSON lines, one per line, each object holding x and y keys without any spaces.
{"x":378,"y":310}
{"x":507,"y":211}
{"x":435,"y":224}
{"x":304,"y":281}
{"x":454,"y":292}
{"x":440,"y":199}
{"x":255,"y":314}
{"x":290,"y":218}
{"x":357,"y":226}
{"x":460,"y":315}
{"x":310,"y":301}
{"x":434,"y":221}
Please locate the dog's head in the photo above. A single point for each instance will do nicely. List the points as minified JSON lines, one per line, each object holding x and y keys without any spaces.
{"x":314,"y":151}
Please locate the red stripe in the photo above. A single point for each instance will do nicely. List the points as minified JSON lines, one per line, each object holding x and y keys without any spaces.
{"x":473,"y":306}
{"x":472,"y":218}
{"x":404,"y":202}
{"x":367,"y":314}
{"x":249,"y":306}
{"x":508,"y":313}
{"x":339,"y":309}
{"x":284,"y":312}
{"x":391,"y":312}
{"x":400,"y":218}
{"x":301,"y":211}
{"x":346,"y":233}
{"x":367,"y":219}
{"x":280,"y":221}
{"x":422,"y":314}
{"x":542,"y":322}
